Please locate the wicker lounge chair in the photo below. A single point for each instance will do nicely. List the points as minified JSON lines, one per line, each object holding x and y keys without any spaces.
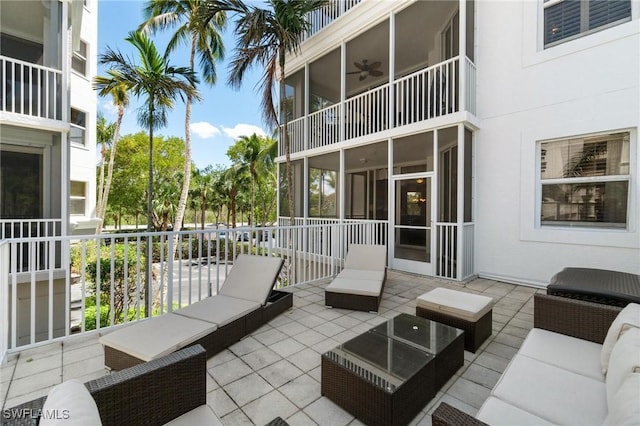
{"x":244,"y":303}
{"x":360,"y":284}
{"x":156,"y":392}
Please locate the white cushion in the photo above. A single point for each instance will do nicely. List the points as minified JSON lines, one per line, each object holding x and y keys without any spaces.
{"x":203,"y":415}
{"x":469,"y":307}
{"x":252,"y":278}
{"x":366,"y":256}
{"x":557,"y":395}
{"x":624,"y":408}
{"x":625,"y":358}
{"x":569,"y":353}
{"x":360,"y":274}
{"x":497,"y":412}
{"x":355,"y":286}
{"x":70,"y":403}
{"x":628,"y":317}
{"x":152,"y":338}
{"x":220,"y":310}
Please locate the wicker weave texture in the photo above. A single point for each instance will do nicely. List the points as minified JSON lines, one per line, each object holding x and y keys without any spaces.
{"x":475,"y":333}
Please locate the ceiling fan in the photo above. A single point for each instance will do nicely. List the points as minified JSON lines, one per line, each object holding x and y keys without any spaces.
{"x":366,"y":69}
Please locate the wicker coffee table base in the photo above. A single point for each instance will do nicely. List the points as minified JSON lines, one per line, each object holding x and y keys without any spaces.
{"x":475,"y":333}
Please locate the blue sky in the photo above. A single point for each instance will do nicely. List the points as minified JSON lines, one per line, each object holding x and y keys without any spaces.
{"x":222,"y":116}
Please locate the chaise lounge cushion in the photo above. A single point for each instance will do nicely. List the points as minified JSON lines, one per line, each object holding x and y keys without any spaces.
{"x":70,"y":404}
{"x":567,"y":397}
{"x":157,"y":336}
{"x":203,"y":415}
{"x":625,"y":359}
{"x":627,"y":318}
{"x":246,"y":278}
{"x":219,"y":310}
{"x":496,"y":412}
{"x":366,"y":257}
{"x":360,"y":274}
{"x":569,"y":353}
{"x":466,"y":306}
{"x":356,"y":286}
{"x":624,"y":408}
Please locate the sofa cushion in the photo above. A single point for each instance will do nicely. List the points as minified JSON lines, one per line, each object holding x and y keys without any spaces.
{"x":203,"y":415}
{"x":628,"y":317}
{"x":569,"y":353}
{"x":219,"y":310}
{"x":70,"y":403}
{"x":157,"y":336}
{"x":625,"y":358}
{"x":559,"y":396}
{"x":497,"y":412}
{"x":366,"y":257}
{"x":252,"y":278}
{"x":467,"y":306}
{"x":360,"y":274}
{"x":624,"y":408}
{"x":355,"y":286}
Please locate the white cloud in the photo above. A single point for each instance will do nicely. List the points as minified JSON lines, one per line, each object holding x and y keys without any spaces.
{"x":205,"y":130}
{"x":108,"y":108}
{"x":242,"y":129}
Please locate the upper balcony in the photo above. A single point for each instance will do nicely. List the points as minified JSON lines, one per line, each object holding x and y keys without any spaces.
{"x":416,"y":65}
{"x":31,"y":61}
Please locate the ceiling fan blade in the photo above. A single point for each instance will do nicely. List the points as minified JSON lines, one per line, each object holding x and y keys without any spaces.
{"x":355,"y":72}
{"x":375,"y":64}
{"x":360,"y":67}
{"x":375,"y":73}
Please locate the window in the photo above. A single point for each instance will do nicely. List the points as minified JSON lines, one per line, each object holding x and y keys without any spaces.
{"x":568,"y":19}
{"x":79,"y":59}
{"x":322,"y":193}
{"x":78,"y":198}
{"x":585,"y":181}
{"x":78,"y":125}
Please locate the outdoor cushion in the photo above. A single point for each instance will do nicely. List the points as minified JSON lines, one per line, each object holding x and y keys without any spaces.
{"x":157,"y":336}
{"x":366,"y":257}
{"x":497,"y":412}
{"x":360,"y":274}
{"x":467,"y":306}
{"x":70,"y":403}
{"x":628,"y":317}
{"x":251,"y":278}
{"x":569,"y":353}
{"x":220,"y":310}
{"x":203,"y":415}
{"x":355,"y":286}
{"x":562,"y":396}
{"x":624,"y":408}
{"x":625,"y":358}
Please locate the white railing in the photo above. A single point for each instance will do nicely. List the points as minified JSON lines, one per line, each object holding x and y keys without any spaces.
{"x":367,"y":113}
{"x":102,"y":280}
{"x":468,"y":241}
{"x":32,"y":257}
{"x":449,"y":262}
{"x":322,"y":17}
{"x":428,"y":93}
{"x":295,"y":129}
{"x":28,"y":228}
{"x":324,"y":127}
{"x":30,"y":89}
{"x":423,"y":95}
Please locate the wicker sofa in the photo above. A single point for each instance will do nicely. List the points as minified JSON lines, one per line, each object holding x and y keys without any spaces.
{"x":156,"y":392}
{"x":559,"y":375}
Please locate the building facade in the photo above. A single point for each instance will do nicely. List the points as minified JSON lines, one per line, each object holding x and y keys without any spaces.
{"x":47,"y":117}
{"x":497,"y":139}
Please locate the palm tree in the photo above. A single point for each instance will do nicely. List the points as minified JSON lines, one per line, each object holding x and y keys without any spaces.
{"x":155,"y":80}
{"x":201,"y":192}
{"x":250,"y":148}
{"x":104,"y":136}
{"x":120,"y":96}
{"x":199,"y":23}
{"x":265,"y":37}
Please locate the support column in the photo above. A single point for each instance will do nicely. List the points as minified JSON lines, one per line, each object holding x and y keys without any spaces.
{"x":305,"y":189}
{"x":391,"y":203}
{"x":341,"y":187}
{"x":462,"y":54}
{"x":460,"y":202}
{"x":392,"y":70}
{"x":435,"y":197}
{"x":343,"y":89}
{"x":306,"y":107}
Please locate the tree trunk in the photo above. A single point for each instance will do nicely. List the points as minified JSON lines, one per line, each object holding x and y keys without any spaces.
{"x":104,"y":197}
{"x":285,"y":129}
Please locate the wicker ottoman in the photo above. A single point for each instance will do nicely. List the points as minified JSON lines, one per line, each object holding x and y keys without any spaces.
{"x":468,"y":312}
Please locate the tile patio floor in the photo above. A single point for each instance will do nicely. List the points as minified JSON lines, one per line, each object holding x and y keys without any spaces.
{"x":276,"y":370}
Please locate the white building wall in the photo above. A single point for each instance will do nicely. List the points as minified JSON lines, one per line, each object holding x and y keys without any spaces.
{"x":83,"y":98}
{"x":527,"y":94}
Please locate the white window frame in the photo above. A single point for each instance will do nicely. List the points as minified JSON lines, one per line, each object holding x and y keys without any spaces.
{"x":77,"y":126}
{"x":78,"y":55}
{"x":584,"y":22}
{"x":78,"y":197}
{"x":578,"y":180}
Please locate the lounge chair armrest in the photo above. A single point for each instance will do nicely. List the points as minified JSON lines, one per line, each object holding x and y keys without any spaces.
{"x":153,"y":392}
{"x":573,"y":317}
{"x":447,"y":415}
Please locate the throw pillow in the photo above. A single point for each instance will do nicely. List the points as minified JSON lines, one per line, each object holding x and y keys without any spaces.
{"x":70,"y":404}
{"x":628,"y":317}
{"x":625,"y":358}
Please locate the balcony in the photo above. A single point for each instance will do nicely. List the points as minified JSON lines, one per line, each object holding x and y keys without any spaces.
{"x":30,"y":89}
{"x":328,"y":13}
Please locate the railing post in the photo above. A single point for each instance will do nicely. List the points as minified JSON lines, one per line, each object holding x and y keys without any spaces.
{"x":4,"y":299}
{"x":462,"y":63}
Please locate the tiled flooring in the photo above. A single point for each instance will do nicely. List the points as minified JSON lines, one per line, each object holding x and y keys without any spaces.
{"x":276,"y":370}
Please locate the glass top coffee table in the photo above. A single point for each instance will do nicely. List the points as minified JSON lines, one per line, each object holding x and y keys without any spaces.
{"x":387,"y":374}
